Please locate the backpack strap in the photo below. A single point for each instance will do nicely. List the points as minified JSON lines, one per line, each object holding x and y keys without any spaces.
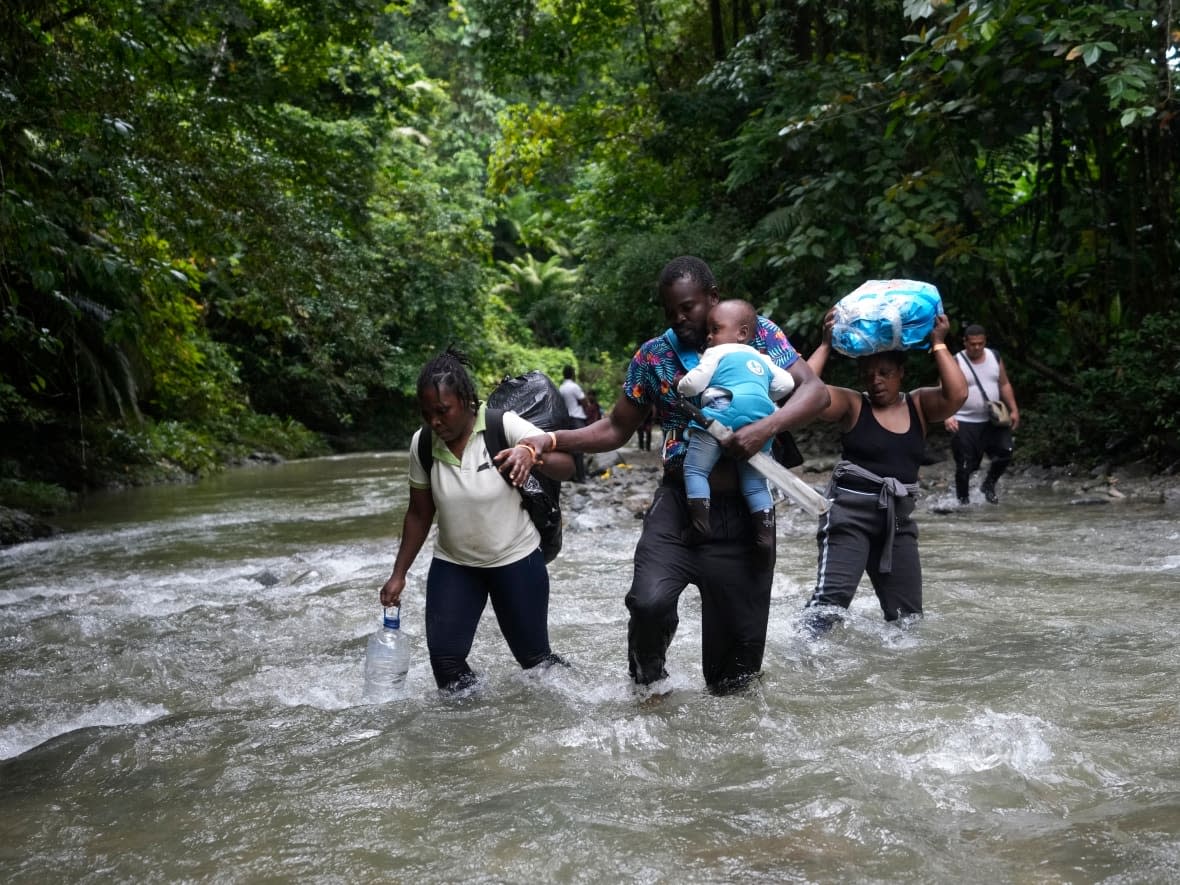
{"x":425,"y":449}
{"x":494,"y":439}
{"x":493,"y":434}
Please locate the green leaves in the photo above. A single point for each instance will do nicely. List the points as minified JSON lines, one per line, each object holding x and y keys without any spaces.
{"x":286,"y":207}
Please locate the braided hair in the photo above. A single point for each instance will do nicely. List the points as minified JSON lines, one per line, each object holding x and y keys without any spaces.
{"x":687,"y":267}
{"x":448,"y":371}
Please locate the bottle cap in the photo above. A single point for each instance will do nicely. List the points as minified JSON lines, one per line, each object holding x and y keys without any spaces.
{"x":392,"y":617}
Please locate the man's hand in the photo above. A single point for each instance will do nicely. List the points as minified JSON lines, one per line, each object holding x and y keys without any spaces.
{"x":747,"y":441}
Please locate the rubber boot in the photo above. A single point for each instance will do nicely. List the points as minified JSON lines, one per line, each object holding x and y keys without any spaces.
{"x":962,"y":486}
{"x":764,"y":537}
{"x":698,"y":516}
{"x":989,"y":490}
{"x":995,"y":471}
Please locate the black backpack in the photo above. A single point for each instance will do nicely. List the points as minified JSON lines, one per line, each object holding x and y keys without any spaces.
{"x":534,"y":397}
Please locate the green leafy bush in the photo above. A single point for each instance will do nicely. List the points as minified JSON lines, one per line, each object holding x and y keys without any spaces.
{"x":283,"y":436}
{"x":1128,"y":408}
{"x":41,"y":498}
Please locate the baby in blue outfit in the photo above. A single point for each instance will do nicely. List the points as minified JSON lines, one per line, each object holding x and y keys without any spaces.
{"x":740,"y":385}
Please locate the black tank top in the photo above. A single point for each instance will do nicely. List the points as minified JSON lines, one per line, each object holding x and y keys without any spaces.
{"x":871,"y":446}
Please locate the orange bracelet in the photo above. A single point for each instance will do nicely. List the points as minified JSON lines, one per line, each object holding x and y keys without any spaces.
{"x":532,"y":451}
{"x":553,"y":439}
{"x":939,"y":346}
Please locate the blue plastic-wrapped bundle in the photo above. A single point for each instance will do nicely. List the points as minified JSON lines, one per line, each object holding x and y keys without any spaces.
{"x":885,"y":315}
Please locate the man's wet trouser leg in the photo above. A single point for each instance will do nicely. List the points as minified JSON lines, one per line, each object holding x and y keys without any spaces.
{"x":735,"y":592}
{"x":967,"y":448}
{"x":663,"y":567}
{"x":998,"y":447}
{"x":735,"y":596}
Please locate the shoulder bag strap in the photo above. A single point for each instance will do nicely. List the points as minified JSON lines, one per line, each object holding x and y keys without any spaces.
{"x":967,"y":360}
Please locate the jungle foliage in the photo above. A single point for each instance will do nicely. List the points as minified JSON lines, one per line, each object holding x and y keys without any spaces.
{"x":244,"y":224}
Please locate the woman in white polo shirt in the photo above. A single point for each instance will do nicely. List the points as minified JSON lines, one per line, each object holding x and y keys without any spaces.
{"x":487,"y":547}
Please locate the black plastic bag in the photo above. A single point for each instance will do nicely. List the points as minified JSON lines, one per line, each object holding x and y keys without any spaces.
{"x":536,"y":399}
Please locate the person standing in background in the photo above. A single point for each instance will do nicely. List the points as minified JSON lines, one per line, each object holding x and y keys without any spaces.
{"x":575,"y":404}
{"x":972,"y":435}
{"x":643,"y":434}
{"x":593,"y":409}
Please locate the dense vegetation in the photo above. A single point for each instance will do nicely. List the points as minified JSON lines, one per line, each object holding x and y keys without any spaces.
{"x":244,"y":224}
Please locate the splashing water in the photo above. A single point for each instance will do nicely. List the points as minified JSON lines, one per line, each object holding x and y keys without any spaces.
{"x":182,"y":701}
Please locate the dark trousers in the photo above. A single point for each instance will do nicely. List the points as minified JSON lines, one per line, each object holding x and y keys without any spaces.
{"x":970,"y":443}
{"x":734,"y":587}
{"x":579,"y":458}
{"x":455,"y":599}
{"x":851,"y":538}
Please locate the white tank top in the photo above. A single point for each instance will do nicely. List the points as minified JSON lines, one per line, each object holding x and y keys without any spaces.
{"x":974,"y":410}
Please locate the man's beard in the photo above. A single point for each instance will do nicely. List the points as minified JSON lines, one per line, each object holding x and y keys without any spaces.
{"x":691,"y":338}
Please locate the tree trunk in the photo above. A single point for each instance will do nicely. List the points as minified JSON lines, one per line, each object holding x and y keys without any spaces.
{"x":718,"y":29}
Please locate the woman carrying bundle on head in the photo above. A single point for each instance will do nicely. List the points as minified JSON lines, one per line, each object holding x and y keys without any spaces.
{"x":869,"y":526}
{"x":487,"y":546}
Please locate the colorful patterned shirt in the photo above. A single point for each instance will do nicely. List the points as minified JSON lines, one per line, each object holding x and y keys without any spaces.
{"x":655,"y":371}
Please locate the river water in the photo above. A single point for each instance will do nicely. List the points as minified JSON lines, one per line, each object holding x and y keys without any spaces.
{"x":182,"y":702}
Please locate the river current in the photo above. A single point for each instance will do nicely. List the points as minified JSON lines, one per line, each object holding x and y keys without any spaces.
{"x":182,"y":679}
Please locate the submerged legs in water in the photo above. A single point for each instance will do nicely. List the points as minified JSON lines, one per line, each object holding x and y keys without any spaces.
{"x":818,"y":622}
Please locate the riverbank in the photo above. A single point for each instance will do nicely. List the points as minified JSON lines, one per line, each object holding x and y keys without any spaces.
{"x":621,"y":483}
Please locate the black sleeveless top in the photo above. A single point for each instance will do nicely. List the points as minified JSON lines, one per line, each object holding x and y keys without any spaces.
{"x":871,"y":446}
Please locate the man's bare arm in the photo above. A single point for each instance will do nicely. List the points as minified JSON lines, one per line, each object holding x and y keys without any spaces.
{"x":604,"y":435}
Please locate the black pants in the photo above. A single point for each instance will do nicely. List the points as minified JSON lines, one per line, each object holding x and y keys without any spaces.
{"x":851,"y":537}
{"x":734,"y":587}
{"x":970,"y":443}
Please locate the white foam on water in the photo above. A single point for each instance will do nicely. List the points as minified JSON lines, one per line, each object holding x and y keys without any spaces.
{"x":615,"y":738}
{"x":331,"y":686}
{"x":989,"y":740}
{"x":29,"y":592}
{"x":19,"y":738}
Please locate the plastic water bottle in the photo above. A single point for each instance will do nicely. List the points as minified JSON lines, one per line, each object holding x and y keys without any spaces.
{"x":387,"y":659}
